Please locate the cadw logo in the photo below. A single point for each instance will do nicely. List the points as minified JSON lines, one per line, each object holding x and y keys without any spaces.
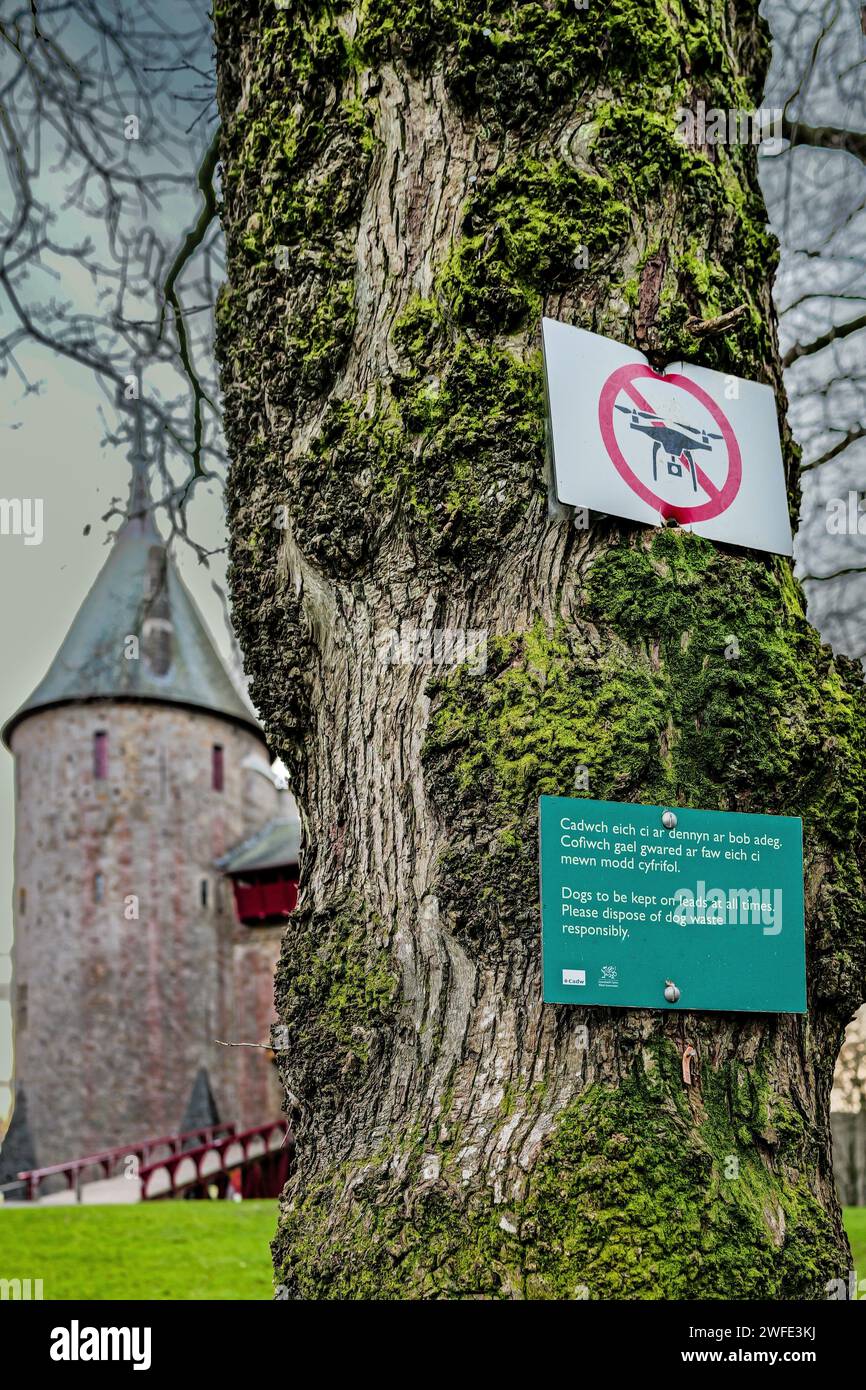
{"x":76,"y":1343}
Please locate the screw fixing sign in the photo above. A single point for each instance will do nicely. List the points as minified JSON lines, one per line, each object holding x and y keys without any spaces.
{"x":688,"y":444}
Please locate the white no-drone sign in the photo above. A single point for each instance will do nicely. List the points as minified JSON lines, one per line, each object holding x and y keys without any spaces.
{"x":687,"y":444}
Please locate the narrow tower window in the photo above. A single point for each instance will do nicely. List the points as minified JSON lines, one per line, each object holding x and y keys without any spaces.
{"x":22,"y":900}
{"x":98,"y":887}
{"x":100,"y":755}
{"x":203,"y":892}
{"x":217,"y":767}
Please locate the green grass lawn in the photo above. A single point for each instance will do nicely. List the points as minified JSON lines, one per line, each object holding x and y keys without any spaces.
{"x":173,"y":1250}
{"x":855,"y":1225}
{"x":164,"y":1250}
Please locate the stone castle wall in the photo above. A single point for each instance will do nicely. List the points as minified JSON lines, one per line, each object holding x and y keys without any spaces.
{"x":260,"y":1093}
{"x":115,"y":1013}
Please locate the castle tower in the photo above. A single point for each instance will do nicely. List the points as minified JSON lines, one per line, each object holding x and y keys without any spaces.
{"x":134,"y":774}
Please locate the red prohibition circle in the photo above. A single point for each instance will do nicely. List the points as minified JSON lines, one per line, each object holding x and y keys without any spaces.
{"x":719,"y":499}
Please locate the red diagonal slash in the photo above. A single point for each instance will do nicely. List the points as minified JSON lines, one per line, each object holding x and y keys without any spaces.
{"x":706,"y":483}
{"x":642,"y":403}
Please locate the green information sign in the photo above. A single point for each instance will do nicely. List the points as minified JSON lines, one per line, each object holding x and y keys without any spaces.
{"x":652,"y":907}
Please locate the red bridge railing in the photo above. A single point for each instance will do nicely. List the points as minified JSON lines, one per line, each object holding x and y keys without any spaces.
{"x":260,"y":1157}
{"x":108,"y":1160}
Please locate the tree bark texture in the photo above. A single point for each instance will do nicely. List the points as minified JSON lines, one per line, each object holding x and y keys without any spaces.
{"x":406,"y":189}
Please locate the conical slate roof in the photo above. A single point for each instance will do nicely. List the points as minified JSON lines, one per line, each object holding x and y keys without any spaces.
{"x":138,"y":593}
{"x":17,"y":1154}
{"x":276,"y":846}
{"x":201,"y":1108}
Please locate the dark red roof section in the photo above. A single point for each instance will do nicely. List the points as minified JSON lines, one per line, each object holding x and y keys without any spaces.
{"x":265,"y":897}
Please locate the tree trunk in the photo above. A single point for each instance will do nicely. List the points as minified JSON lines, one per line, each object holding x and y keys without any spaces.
{"x":407,"y":188}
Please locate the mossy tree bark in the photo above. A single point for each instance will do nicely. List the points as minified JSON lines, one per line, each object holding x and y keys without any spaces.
{"x":406,"y":188}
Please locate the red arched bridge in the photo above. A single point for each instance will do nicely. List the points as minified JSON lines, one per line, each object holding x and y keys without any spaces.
{"x":250,"y":1163}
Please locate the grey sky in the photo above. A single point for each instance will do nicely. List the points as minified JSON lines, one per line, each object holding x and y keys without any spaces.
{"x":51,"y":441}
{"x":55,"y":455}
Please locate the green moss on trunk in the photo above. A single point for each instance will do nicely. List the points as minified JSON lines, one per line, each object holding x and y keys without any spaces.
{"x":409,"y":458}
{"x":634,"y":1195}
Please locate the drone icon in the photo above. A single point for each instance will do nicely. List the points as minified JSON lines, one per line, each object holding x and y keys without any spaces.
{"x":678,"y":442}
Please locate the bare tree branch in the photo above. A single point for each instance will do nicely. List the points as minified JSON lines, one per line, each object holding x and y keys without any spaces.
{"x":834,"y":334}
{"x":858,"y":432}
{"x":97,"y":171}
{"x":825,"y":137}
